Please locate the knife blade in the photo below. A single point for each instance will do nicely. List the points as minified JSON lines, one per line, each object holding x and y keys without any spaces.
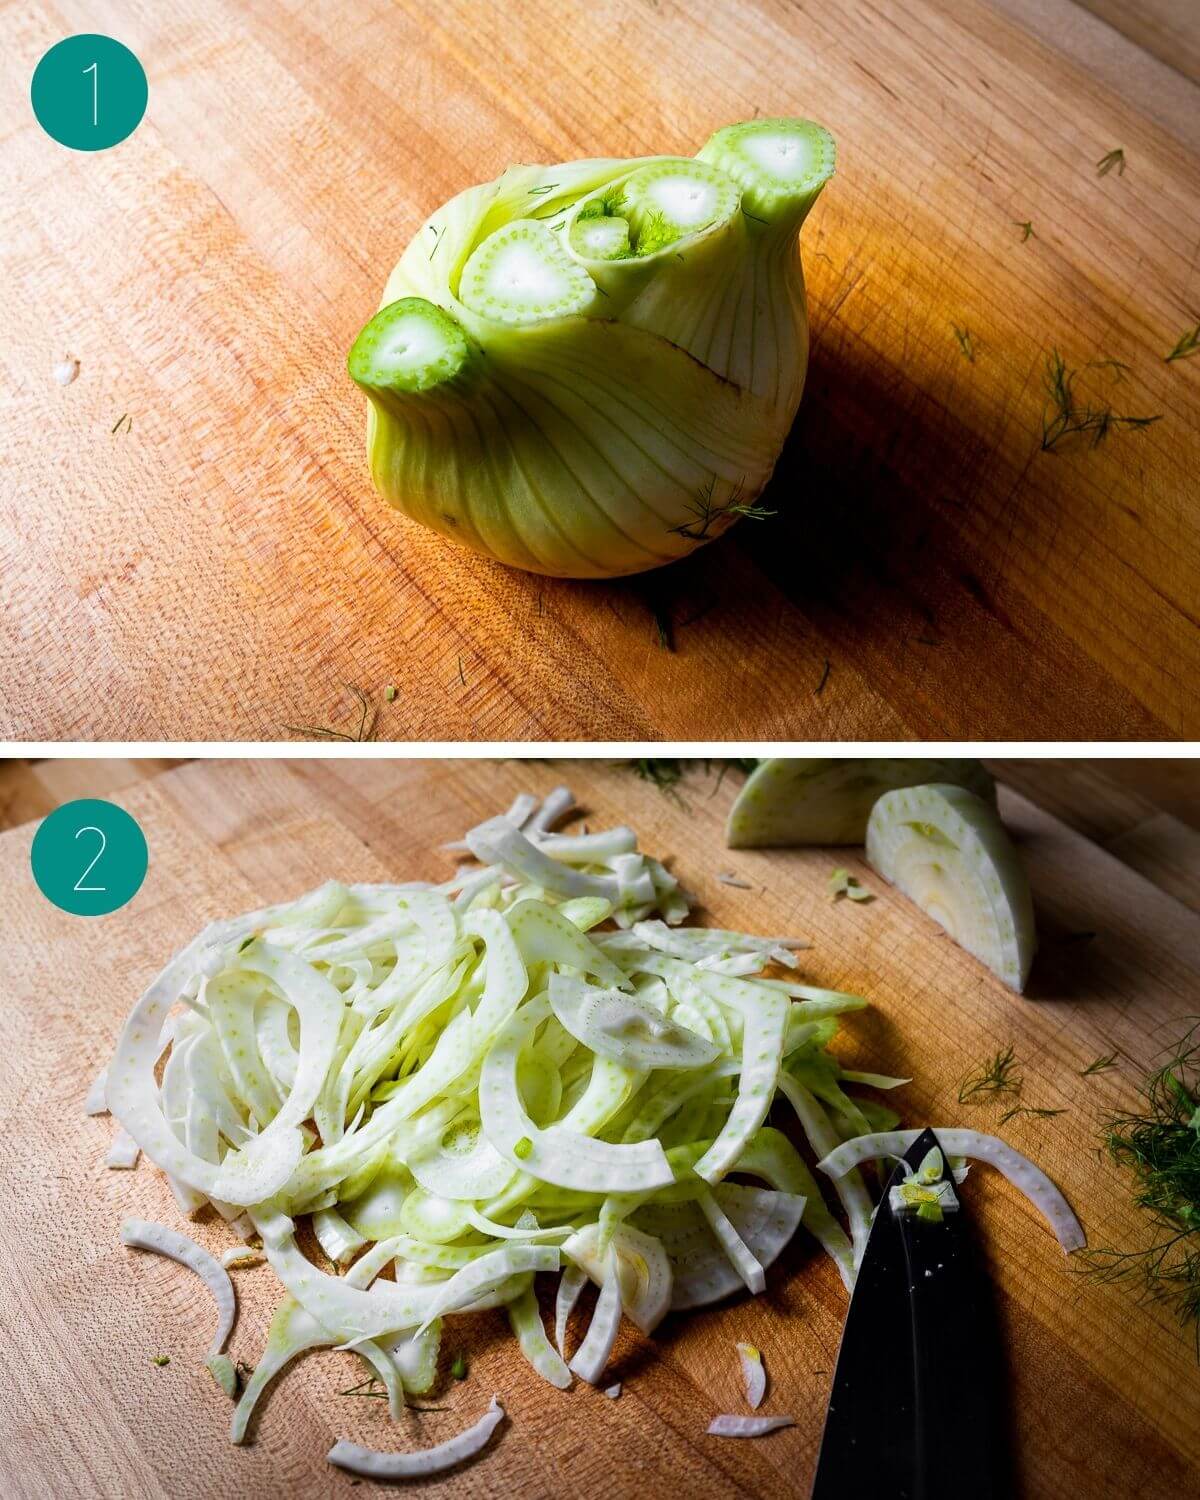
{"x":917,"y":1409}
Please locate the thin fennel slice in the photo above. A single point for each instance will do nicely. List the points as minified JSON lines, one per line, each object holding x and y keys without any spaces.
{"x":124,"y":1151}
{"x":338,"y":1239}
{"x":143,"y":1235}
{"x":571,"y":1283}
{"x":557,"y":1154}
{"x":592,"y":1355}
{"x":797,"y":801}
{"x":371,"y":1464}
{"x":526,"y":1323}
{"x":626,"y":1028}
{"x":742,"y":1258}
{"x":731,"y":1425}
{"x":96,"y":1102}
{"x":948,"y":851}
{"x":754,"y":1374}
{"x":640,"y":1264}
{"x":1019,"y":1170}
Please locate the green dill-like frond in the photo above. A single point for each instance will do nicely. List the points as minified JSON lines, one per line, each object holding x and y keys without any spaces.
{"x":707,"y":512}
{"x":655,"y":234}
{"x":666,"y":775}
{"x":1189,"y":344}
{"x":995,"y":1076}
{"x":1099,"y":1065}
{"x":364,"y":731}
{"x":1067,"y":415}
{"x":965,"y":342}
{"x":1159,"y":1143}
{"x":1029,"y":1109}
{"x":1109,"y":160}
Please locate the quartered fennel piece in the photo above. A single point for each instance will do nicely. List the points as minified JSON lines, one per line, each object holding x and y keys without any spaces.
{"x":948,"y":851}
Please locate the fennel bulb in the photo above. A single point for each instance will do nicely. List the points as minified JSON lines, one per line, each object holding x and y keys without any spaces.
{"x":590,"y":369}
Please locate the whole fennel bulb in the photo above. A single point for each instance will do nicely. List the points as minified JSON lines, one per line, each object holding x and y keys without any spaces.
{"x":590,"y":369}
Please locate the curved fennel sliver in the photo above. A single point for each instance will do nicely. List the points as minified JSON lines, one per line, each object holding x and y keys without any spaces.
{"x":754,"y":1374}
{"x":570,"y":1284}
{"x":948,"y":851}
{"x":556,"y":1154}
{"x":592,"y":1355}
{"x":526,"y":1323}
{"x":293,"y":1331}
{"x":372,"y":1464}
{"x":732,"y":1425}
{"x":262,"y":1165}
{"x":1019,"y":1170}
{"x":143,"y":1235}
{"x":626,"y":1028}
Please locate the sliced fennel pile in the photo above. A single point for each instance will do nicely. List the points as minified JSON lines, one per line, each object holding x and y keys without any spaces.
{"x":948,"y":851}
{"x":460,"y":1085}
{"x":786,"y":803}
{"x":589,"y":369}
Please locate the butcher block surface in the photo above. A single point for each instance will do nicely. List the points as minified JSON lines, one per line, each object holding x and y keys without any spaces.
{"x":217,"y":566}
{"x":1106,"y":1401}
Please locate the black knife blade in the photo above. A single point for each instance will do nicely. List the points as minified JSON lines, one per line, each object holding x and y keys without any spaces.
{"x":917,"y":1409}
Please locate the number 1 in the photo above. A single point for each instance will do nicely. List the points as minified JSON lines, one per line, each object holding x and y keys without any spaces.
{"x":79,"y":885}
{"x":95,"y":72}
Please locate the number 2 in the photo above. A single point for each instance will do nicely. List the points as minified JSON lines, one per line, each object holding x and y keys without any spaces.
{"x":95,"y":72}
{"x":79,"y":885}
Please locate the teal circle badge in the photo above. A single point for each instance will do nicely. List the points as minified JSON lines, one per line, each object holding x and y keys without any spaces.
{"x":89,"y":92}
{"x":89,"y":857}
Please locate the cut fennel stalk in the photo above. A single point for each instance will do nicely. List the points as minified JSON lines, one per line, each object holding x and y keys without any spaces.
{"x":948,"y":851}
{"x":589,"y":369}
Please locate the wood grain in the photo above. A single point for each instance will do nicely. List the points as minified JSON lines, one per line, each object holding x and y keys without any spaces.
{"x":1105,"y":1398}
{"x":1168,"y":29}
{"x":223,"y":569}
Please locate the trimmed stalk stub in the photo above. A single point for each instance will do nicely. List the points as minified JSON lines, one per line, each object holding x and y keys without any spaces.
{"x":589,"y":369}
{"x":408,"y":346}
{"x":780,"y":165}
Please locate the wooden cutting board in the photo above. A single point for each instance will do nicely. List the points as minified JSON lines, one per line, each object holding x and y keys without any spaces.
{"x":219,"y":567}
{"x":1106,"y":1397}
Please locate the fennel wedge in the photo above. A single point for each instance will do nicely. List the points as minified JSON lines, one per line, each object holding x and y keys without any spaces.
{"x":786,"y":803}
{"x":948,"y":851}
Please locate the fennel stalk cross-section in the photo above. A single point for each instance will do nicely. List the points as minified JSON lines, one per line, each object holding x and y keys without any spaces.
{"x":589,"y":369}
